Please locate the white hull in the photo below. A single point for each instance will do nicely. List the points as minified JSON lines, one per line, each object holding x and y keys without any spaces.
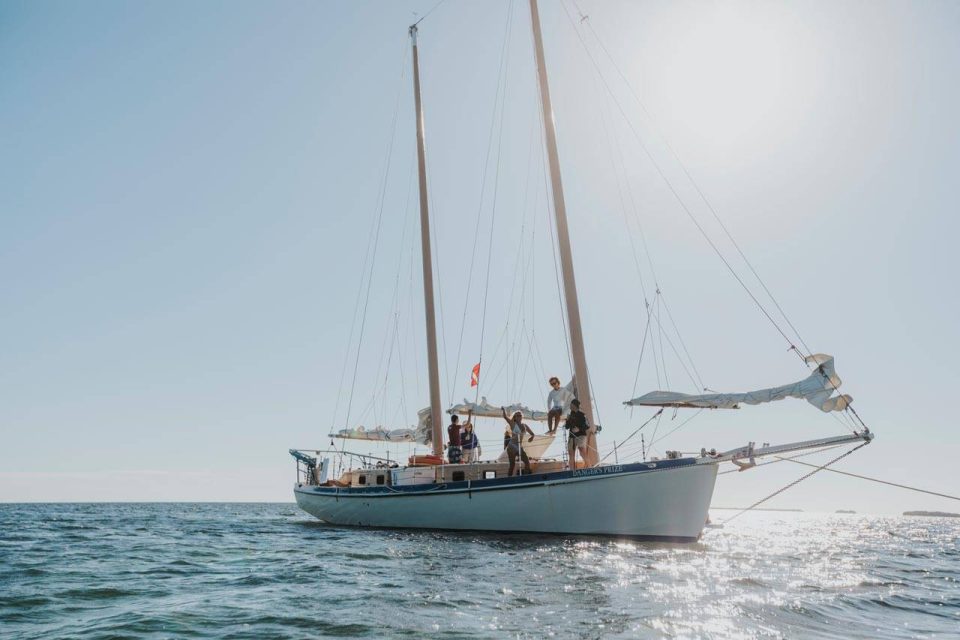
{"x":632,"y":500}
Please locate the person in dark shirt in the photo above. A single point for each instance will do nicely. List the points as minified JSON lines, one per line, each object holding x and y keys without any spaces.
{"x":469,"y":443}
{"x":454,"y":452}
{"x":576,"y":424}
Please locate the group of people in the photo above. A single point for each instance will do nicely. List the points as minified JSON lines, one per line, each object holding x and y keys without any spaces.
{"x":464,"y":447}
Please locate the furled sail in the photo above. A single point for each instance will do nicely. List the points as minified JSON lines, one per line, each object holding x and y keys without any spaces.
{"x":817,"y":389}
{"x":537,"y":449}
{"x":379,"y":434}
{"x":484,"y":409}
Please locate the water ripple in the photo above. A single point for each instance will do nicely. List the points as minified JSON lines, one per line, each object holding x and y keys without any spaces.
{"x":267,"y":570}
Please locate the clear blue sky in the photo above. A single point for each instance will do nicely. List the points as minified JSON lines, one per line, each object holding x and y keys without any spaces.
{"x":187,"y":192}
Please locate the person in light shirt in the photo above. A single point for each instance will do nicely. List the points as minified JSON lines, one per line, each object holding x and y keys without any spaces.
{"x":558,"y":403}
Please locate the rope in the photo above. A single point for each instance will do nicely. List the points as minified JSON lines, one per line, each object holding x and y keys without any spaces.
{"x":483,"y":189}
{"x":654,"y":440}
{"x":548,"y":200}
{"x":683,"y":205}
{"x":651,"y":419}
{"x":496,"y":185}
{"x":376,"y":242}
{"x":779,"y":459}
{"x":396,"y":303}
{"x":796,"y":482}
{"x":424,"y":16}
{"x":892,"y":484}
{"x":643,"y":344}
{"x":676,"y":194}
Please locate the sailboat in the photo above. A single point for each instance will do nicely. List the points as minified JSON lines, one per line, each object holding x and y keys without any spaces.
{"x":653,"y":499}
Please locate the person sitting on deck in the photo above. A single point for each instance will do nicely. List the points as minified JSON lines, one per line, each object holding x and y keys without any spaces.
{"x":558,"y":401}
{"x":577,"y":425}
{"x":515,"y":446}
{"x":470,"y":443}
{"x":454,"y":452}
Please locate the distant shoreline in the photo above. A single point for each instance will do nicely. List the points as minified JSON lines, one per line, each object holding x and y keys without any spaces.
{"x":742,"y":508}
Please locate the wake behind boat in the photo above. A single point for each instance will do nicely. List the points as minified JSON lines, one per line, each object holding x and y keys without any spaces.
{"x":524,"y":489}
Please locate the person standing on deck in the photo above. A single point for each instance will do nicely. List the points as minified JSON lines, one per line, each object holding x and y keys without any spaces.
{"x":558,"y":403}
{"x":515,"y":446}
{"x":454,"y":452}
{"x":577,"y":425}
{"x":470,"y":443}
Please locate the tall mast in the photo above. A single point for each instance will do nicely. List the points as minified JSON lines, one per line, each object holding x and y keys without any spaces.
{"x":432,"y":364}
{"x":563,"y":240}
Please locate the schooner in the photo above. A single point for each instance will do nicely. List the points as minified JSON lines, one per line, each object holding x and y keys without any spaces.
{"x":648,"y":499}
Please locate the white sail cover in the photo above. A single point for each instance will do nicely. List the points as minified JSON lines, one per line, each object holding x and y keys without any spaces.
{"x":817,"y":389}
{"x":379,"y":434}
{"x":536,"y":450}
{"x":484,"y":409}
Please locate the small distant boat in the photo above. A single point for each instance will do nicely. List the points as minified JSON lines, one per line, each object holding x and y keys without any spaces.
{"x":647,"y":499}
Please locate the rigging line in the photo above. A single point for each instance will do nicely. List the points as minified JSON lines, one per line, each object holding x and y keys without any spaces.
{"x":390,"y":333}
{"x":623,"y":204}
{"x":636,"y":431}
{"x":548,"y":208}
{"x":633,"y":204}
{"x":376,"y":239}
{"x":518,"y":271}
{"x":536,"y":345}
{"x":676,"y":194}
{"x":797,"y":481}
{"x":424,"y":16}
{"x":682,"y":343}
{"x":656,"y":428}
{"x":363,"y":271}
{"x":689,"y":177}
{"x":561,"y":301}
{"x":526,"y":364}
{"x":705,"y":200}
{"x":653,"y":345}
{"x":496,"y":186}
{"x":663,"y":335}
{"x":523,"y":328}
{"x":396,"y":303}
{"x":436,"y":276}
{"x":411,"y":333}
{"x":892,"y":484}
{"x":663,"y":359}
{"x":400,"y":348}
{"x":779,"y":459}
{"x":522,"y":268}
{"x":654,"y":440}
{"x":852,"y":427}
{"x":697,"y":383}
{"x":643,"y":344}
{"x":483,"y":188}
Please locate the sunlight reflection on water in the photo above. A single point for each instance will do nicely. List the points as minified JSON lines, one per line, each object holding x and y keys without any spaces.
{"x":216,"y":571}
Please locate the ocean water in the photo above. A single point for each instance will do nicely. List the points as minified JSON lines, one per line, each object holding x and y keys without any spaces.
{"x":270,"y":571}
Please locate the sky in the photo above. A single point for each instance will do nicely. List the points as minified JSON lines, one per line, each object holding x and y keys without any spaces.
{"x":209,"y":246}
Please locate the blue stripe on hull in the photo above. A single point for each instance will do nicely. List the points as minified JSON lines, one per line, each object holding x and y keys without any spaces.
{"x":514,"y":482}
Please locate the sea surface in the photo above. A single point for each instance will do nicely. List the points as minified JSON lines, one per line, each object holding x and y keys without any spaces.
{"x":270,"y":571}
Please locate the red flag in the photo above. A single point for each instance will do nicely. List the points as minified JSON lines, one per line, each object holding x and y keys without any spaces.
{"x":475,"y":375}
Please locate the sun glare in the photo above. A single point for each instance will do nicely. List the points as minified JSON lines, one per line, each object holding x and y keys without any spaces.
{"x":730,"y":74}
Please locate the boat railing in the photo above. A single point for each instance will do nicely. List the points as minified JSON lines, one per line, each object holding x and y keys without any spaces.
{"x":310,"y":463}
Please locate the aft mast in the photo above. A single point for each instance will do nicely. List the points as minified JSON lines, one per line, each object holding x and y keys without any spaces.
{"x":563,"y":240}
{"x":432,"y":363}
